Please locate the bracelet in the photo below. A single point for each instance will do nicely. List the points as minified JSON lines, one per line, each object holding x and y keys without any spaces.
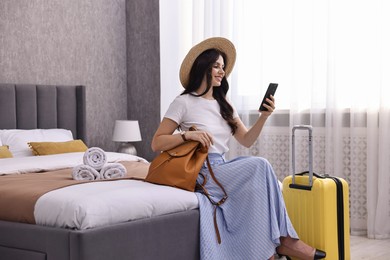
{"x":183,"y":135}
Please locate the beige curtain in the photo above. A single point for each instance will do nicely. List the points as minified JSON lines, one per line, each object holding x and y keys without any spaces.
{"x":331,"y":59}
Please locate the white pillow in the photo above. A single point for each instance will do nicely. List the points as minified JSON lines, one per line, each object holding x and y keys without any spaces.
{"x":17,"y":139}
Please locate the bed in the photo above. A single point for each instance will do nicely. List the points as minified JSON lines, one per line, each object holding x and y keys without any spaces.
{"x":169,"y":235}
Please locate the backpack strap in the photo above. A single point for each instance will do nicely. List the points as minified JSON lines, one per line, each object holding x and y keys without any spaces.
{"x":215,"y":203}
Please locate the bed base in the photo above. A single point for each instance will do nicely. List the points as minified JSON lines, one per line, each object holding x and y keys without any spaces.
{"x":173,"y":236}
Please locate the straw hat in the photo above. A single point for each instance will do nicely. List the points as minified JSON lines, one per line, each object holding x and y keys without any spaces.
{"x":219,"y":43}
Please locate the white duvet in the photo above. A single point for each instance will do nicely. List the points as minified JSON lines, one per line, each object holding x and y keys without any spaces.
{"x":97,"y":204}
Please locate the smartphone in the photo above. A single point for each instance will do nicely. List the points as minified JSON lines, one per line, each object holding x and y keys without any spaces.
{"x":270,"y":91}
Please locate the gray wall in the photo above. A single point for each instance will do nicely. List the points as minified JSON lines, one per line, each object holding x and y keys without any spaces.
{"x":83,"y":42}
{"x":143,"y":69}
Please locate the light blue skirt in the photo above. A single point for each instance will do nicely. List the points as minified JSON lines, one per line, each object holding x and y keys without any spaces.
{"x":254,"y":216}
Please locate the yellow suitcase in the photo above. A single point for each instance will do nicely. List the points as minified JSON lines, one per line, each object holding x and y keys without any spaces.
{"x":318,"y":207}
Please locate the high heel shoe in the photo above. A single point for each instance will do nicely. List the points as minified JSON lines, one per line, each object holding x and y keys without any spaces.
{"x":286,"y":256}
{"x":319,"y":254}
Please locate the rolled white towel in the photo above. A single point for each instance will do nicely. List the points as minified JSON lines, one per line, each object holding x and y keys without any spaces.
{"x":113,"y":171}
{"x":95,"y":157}
{"x":85,"y":172}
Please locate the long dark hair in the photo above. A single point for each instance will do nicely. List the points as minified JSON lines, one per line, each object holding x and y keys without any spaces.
{"x":203,"y":66}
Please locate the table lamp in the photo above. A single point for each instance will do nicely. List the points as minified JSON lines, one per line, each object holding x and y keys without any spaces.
{"x":126,"y":131}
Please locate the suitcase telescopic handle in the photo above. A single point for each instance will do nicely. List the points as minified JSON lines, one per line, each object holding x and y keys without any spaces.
{"x":309,"y":128}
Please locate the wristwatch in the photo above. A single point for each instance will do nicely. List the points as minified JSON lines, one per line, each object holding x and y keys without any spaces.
{"x":182,"y":133}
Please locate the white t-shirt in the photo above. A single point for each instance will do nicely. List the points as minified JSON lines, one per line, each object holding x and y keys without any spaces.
{"x":187,"y":110}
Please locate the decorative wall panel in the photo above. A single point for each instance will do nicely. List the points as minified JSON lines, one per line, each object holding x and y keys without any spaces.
{"x":73,"y":42}
{"x":275,"y":145}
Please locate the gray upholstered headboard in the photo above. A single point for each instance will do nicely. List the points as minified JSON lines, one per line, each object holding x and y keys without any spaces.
{"x":40,"y":106}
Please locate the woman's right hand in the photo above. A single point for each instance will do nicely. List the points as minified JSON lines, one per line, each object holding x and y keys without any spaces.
{"x":203,"y":137}
{"x":164,"y":139}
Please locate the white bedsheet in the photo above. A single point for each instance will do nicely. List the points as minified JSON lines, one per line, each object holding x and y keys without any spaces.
{"x":54,"y":162}
{"x":97,"y":204}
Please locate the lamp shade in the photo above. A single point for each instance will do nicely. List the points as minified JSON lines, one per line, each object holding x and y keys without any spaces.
{"x":126,"y":131}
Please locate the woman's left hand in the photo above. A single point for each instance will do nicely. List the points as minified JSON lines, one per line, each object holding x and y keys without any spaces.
{"x":270,"y":106}
{"x":248,"y":137}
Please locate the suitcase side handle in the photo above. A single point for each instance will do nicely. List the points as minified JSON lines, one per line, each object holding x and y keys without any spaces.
{"x":299,"y":186}
{"x":309,"y":128}
{"x":305,"y":187}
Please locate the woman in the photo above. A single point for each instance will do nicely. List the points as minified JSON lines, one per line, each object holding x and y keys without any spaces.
{"x":253,"y":221}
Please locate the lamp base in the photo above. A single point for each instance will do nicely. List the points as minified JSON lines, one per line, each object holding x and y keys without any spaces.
{"x":127,"y":148}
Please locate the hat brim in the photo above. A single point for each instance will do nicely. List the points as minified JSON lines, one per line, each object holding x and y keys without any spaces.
{"x":219,"y":43}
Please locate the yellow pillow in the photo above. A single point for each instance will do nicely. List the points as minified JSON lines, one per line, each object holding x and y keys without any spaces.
{"x":5,"y":152}
{"x":46,"y":148}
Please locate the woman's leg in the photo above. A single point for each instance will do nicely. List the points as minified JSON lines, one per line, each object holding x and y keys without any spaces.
{"x":296,"y":248}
